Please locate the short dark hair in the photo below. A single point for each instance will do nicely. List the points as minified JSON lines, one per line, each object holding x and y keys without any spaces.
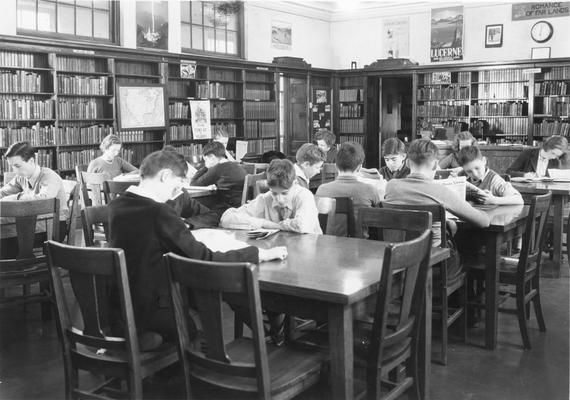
{"x":465,"y":135}
{"x":393,"y":146}
{"x":422,"y":151}
{"x":22,"y":149}
{"x":280,"y":173}
{"x":163,"y":159}
{"x":555,"y":142}
{"x":311,"y":153}
{"x":350,"y":155}
{"x":468,"y":154}
{"x":326,"y":135}
{"x":215,"y":148}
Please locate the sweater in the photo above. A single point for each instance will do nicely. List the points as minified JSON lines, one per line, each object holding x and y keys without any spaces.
{"x":228,"y":178}
{"x":112,"y":169}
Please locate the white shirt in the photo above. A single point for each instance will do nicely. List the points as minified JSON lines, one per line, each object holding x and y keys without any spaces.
{"x":541,"y":165}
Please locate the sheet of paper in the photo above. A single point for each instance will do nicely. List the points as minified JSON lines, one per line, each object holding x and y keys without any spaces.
{"x":241,"y":149}
{"x":559,"y":175}
{"x":530,"y":180}
{"x":218,"y":240}
{"x":127,"y":178}
{"x":455,"y":184}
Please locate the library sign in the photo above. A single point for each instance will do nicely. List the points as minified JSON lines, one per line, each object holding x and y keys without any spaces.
{"x":538,"y":10}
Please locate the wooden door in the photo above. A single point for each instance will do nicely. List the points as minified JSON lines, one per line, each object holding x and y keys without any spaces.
{"x":295,"y":113}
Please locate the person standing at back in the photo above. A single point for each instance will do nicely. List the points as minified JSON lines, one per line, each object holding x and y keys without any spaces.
{"x":110,"y":163}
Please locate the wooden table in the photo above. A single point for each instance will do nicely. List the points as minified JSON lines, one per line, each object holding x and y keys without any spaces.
{"x":560,"y":192}
{"x":325,"y":276}
{"x":507,"y":222}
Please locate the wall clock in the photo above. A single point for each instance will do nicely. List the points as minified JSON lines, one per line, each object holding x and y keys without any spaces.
{"x":541,"y":31}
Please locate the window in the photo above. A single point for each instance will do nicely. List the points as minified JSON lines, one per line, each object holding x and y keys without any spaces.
{"x":211,"y":26}
{"x":78,"y":19}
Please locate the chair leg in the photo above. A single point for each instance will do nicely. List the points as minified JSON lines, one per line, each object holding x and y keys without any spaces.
{"x":538,"y":309}
{"x":527,"y":305}
{"x":444,"y":314}
{"x":521,"y":311}
{"x":46,"y":306}
{"x":463,"y":305}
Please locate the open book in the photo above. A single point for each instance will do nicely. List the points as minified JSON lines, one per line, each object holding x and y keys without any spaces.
{"x":218,"y":240}
{"x":559,"y":175}
{"x":531,"y":180}
{"x":370,"y":173}
{"x":456,"y":184}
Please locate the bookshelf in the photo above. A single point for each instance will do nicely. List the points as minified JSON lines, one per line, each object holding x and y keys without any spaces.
{"x":260,"y":111}
{"x":225,"y":90}
{"x":551,"y":99}
{"x":351,"y":109}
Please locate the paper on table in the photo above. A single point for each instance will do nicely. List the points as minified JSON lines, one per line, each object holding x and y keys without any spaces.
{"x":218,"y":240}
{"x":559,"y":175}
{"x":529,"y":180}
{"x":128,"y":177}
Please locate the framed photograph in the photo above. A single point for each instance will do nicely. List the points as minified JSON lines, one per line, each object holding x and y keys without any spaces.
{"x":539,"y":52}
{"x":141,"y":106}
{"x":494,"y":35}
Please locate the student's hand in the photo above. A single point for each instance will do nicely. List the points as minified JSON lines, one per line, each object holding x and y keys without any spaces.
{"x":26,"y":195}
{"x":276,"y":253}
{"x":455,"y":171}
{"x":485,"y":197}
{"x":270,"y":225}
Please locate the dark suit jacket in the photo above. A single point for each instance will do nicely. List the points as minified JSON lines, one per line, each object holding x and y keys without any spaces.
{"x":145,"y":230}
{"x":527,"y":161}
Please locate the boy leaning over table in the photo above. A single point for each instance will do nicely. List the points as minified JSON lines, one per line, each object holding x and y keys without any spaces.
{"x":146,"y":228}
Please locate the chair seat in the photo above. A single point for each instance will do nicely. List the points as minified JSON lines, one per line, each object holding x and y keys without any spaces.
{"x":289,"y":366}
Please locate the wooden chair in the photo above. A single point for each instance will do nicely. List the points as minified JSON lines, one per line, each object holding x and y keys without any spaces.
{"x":249,"y":185}
{"x":254,"y":168}
{"x":94,"y":346}
{"x":341,"y":221}
{"x":112,"y":189}
{"x":260,"y":187}
{"x":92,"y":188}
{"x":393,"y":339}
{"x":328,"y":172}
{"x":523,"y":273}
{"x":91,"y":218}
{"x":442,"y":284}
{"x":29,"y":265}
{"x":73,"y":204}
{"x":244,"y":364}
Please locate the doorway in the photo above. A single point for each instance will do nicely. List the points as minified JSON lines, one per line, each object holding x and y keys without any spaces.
{"x":395,"y":108}
{"x":294,"y":109}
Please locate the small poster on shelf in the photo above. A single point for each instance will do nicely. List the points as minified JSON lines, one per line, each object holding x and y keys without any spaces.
{"x":200,"y":115}
{"x":321,"y":96}
{"x":187,"y":69}
{"x":441,"y":77}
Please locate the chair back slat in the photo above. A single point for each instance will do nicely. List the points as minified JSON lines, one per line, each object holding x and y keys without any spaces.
{"x":112,"y":189}
{"x":208,"y":282}
{"x":392,"y":225}
{"x":438,"y":217}
{"x":326,"y":207}
{"x":74,"y":213}
{"x":94,"y":216}
{"x":534,"y":234}
{"x":92,"y":188}
{"x":249,"y":186}
{"x":339,"y":215}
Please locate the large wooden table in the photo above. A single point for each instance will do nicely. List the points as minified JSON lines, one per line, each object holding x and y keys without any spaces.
{"x":507,"y":222}
{"x":560,"y":192}
{"x":324,"y":277}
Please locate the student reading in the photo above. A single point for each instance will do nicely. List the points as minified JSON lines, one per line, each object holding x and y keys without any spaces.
{"x":394,"y":153}
{"x":326,"y":142}
{"x":310,"y":159}
{"x":110,"y":163}
{"x":532,"y":163}
{"x":286,"y":206}
{"x":146,"y":228}
{"x":451,"y":161}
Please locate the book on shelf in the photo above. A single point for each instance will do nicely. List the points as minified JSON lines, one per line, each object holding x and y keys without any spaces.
{"x":352,"y":138}
{"x":264,"y":110}
{"x":22,"y":60}
{"x":21,"y":81}
{"x":351,"y":125}
{"x":25,"y":108}
{"x":82,"y":85}
{"x":257,"y":93}
{"x":68,"y":135}
{"x":78,"y":108}
{"x":353,"y":95}
{"x":36,"y":135}
{"x":490,"y":108}
{"x":180,"y":132}
{"x":551,"y":127}
{"x":81,"y":64}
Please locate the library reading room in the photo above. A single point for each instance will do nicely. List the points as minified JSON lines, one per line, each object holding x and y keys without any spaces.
{"x":310,"y":199}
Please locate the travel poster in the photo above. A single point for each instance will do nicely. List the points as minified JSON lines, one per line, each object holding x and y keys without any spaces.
{"x":446,"y":34}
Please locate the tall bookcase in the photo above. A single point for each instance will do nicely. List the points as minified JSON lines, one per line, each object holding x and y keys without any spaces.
{"x":351,"y":109}
{"x":321,"y":99}
{"x":261,"y":125}
{"x":551,"y":98}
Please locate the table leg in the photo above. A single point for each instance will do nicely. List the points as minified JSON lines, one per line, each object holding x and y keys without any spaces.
{"x":340,"y":339}
{"x":558,"y":203}
{"x":424,"y":357}
{"x":491,"y":289}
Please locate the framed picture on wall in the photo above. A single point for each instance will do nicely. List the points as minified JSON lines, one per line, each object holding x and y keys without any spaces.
{"x":494,"y":35}
{"x":141,"y":106}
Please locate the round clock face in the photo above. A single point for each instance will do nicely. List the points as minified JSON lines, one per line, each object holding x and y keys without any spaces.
{"x":541,"y":31}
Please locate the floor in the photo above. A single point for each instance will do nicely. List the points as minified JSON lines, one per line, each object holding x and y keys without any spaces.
{"x":31,"y":365}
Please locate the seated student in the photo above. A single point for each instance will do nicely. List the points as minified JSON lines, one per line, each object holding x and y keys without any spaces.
{"x":394,"y":153}
{"x":228,"y":176}
{"x":349,"y":160}
{"x":533,"y":163}
{"x":286,"y":206}
{"x":221,"y":136}
{"x":418,"y":188}
{"x":110,"y":163}
{"x":32,"y":181}
{"x":460,"y":140}
{"x":483,"y":184}
{"x":326,"y":142}
{"x":310,"y":160}
{"x":146,"y":228}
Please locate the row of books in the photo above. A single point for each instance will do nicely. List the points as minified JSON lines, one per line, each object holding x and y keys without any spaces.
{"x":24,"y":109}
{"x":548,"y":88}
{"x":181,"y":89}
{"x":67,"y":160}
{"x":81,"y":64}
{"x":351,"y":95}
{"x":443,"y":110}
{"x":556,"y":73}
{"x":549,"y":128}
{"x":517,"y":109}
{"x":258,"y":77}
{"x":137,"y":152}
{"x":21,"y":81}
{"x":351,"y":110}
{"x":37,"y":136}
{"x":502,"y":75}
{"x":260,"y":110}
{"x":22,"y":60}
{"x":228,"y":128}
{"x":257,"y":94}
{"x":215,"y":90}
{"x":191,"y":151}
{"x":178,"y":110}
{"x":352,"y":125}
{"x":138,"y":136}
{"x":88,"y":85}
{"x":136,"y":68}
{"x":180,"y":132}
{"x":263,"y":129}
{"x":80,"y":108}
{"x":222,"y":110}
{"x":352,"y":138}
{"x":81,"y":135}
{"x":224,"y":75}
{"x":507,"y":126}
{"x":553,"y":106}
{"x":260,"y":146}
{"x":432,"y":78}
{"x":450,"y":92}
{"x":501,"y":91}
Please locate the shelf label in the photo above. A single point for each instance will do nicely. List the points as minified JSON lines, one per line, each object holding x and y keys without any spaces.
{"x":79,"y":51}
{"x":528,"y":71}
{"x":262,"y":68}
